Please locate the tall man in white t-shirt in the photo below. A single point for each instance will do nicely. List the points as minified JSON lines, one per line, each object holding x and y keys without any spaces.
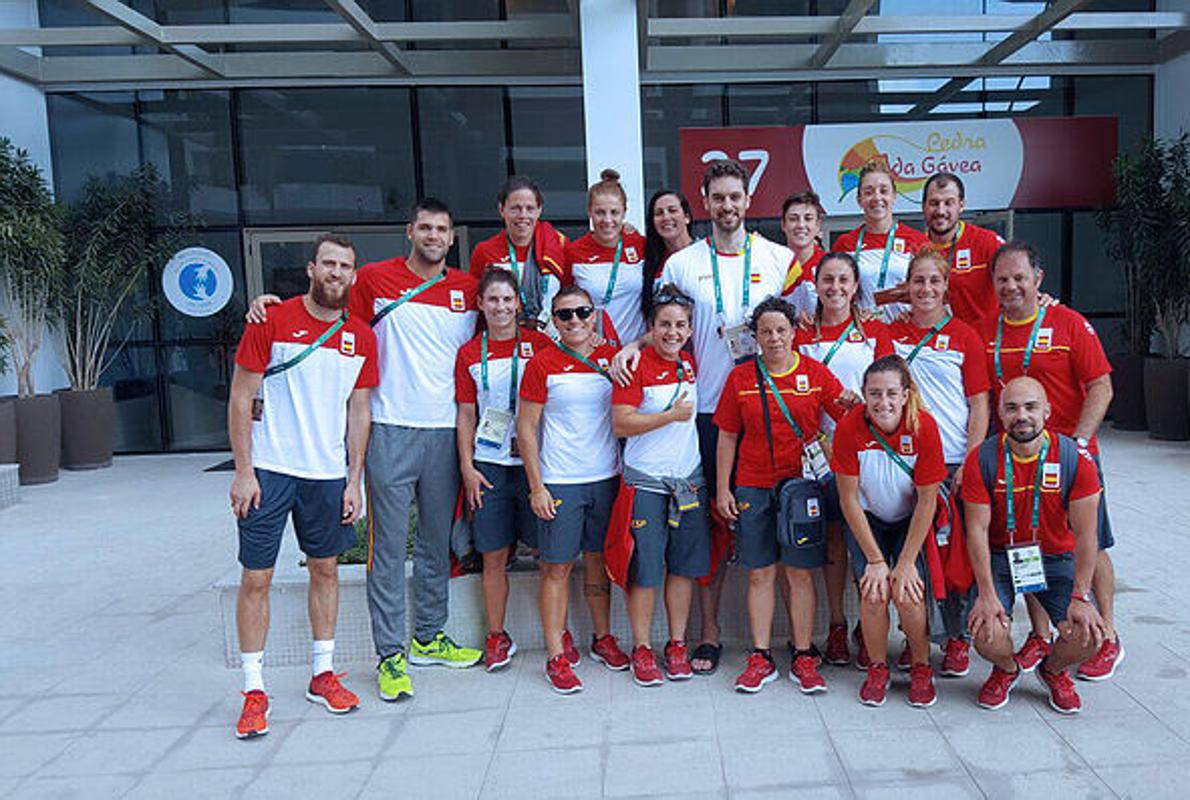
{"x":727,"y":274}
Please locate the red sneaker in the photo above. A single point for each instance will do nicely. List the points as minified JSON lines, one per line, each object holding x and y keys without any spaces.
{"x":569,"y":650}
{"x":1102,"y":665}
{"x":905,"y":660}
{"x":254,"y":719}
{"x":875,"y":687}
{"x":645,"y":671}
{"x":837,"y":653}
{"x":498,"y":650}
{"x":758,"y":670}
{"x":1032,"y":652}
{"x":608,"y":651}
{"x":677,"y":662}
{"x":805,"y":675}
{"x":956,"y":661}
{"x":561,"y":677}
{"x":862,"y":660}
{"x":921,"y":686}
{"x":996,"y":688}
{"x":335,"y":697}
{"x":1063,"y":697}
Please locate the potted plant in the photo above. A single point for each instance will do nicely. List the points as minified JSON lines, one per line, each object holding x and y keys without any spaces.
{"x":110,"y":243}
{"x":30,"y":252}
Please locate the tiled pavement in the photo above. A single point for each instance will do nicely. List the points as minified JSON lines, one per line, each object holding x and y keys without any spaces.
{"x":112,"y":683}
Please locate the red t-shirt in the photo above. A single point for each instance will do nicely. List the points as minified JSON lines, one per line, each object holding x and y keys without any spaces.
{"x":493,"y":252}
{"x":807,"y":389}
{"x":1055,"y":534}
{"x":972,"y":294}
{"x":885,"y":489}
{"x":1066,"y":357}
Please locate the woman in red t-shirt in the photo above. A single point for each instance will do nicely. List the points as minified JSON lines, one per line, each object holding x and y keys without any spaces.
{"x":768,"y":414}
{"x":888,"y":463}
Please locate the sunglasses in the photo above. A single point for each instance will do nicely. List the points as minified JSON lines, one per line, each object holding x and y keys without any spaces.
{"x":567,"y":314}
{"x":665,"y":299}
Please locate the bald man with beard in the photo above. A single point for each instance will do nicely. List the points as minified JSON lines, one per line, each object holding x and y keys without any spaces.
{"x":1042,"y":543}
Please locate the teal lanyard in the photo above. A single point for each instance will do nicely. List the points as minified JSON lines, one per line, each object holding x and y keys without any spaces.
{"x":929,"y":335}
{"x":317,"y":343}
{"x":768,"y":379}
{"x":677,"y":389}
{"x":888,"y":246}
{"x":611,"y":278}
{"x":887,"y":448}
{"x":516,"y":361}
{"x":745,"y":292}
{"x":1028,"y":347}
{"x":954,"y":244}
{"x":516,"y":269}
{"x":405,"y":298}
{"x":1010,"y":500}
{"x":580,"y":357}
{"x":838,"y":342}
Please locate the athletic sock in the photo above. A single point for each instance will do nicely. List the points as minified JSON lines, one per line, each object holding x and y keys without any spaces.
{"x":253,"y":666}
{"x":323,"y":652}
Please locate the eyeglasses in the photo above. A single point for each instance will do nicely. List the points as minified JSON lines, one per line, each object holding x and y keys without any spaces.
{"x":567,"y":314}
{"x":666,"y":298}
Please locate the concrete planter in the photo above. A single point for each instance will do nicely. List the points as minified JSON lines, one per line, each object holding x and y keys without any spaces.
{"x":88,"y":428}
{"x":8,"y":431}
{"x":39,"y":438}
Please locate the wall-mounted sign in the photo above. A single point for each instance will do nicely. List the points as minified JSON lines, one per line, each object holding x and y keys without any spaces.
{"x":1031,"y":162}
{"x":197,"y":282}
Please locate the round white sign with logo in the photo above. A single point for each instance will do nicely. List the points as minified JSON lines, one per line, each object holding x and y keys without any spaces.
{"x":197,"y":282}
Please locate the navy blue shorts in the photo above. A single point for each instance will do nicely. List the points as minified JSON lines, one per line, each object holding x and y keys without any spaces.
{"x":684,"y":550}
{"x":582,"y":512}
{"x":890,"y":538}
{"x":317,"y":508}
{"x":505,"y":514}
{"x":1059,"y":579}
{"x":756,"y":544}
{"x":1106,"y":539}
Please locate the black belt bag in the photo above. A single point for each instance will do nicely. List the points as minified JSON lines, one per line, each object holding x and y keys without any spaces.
{"x":801,"y":518}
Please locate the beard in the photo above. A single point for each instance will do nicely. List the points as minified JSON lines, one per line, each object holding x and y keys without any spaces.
{"x":326,"y":296}
{"x":1024,"y":435}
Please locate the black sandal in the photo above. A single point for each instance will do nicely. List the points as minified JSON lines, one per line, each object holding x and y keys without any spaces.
{"x":707,"y":652}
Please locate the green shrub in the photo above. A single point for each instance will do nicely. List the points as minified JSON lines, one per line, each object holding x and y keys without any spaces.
{"x":359,"y":553}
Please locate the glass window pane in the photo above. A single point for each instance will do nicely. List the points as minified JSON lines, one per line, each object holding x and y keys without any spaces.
{"x":848,"y":101}
{"x":464,"y":160}
{"x":769,"y":104}
{"x":548,"y":144}
{"x":198,"y":380}
{"x":91,"y":134}
{"x":275,"y":12}
{"x":225,"y":325}
{"x":1043,"y":230}
{"x":1096,"y":283}
{"x":1130,"y":98}
{"x":133,"y":378}
{"x":664,"y":110}
{"x":326,"y":155}
{"x":187,"y":135}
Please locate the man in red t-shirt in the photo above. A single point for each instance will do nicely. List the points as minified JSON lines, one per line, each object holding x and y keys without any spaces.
{"x":300,"y":391}
{"x":968,"y":248}
{"x":1041,"y":543}
{"x":1057,"y":346}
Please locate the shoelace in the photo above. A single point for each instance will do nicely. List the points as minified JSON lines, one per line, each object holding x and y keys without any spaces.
{"x":447,"y":644}
{"x":389,"y":665}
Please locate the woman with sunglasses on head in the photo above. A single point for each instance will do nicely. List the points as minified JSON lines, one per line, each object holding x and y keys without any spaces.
{"x":947,"y":360}
{"x":607,"y":262}
{"x":667,"y":230}
{"x":881,"y":245}
{"x":768,"y":417}
{"x":672,"y":538}
{"x":845,"y":344}
{"x":572,"y":464}
{"x":888,"y":463}
{"x":528,"y":247}
{"x":488,"y":372}
{"x":802,"y":216}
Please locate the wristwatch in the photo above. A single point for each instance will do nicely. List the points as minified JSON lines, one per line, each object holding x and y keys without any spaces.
{"x":1082,"y":441}
{"x":1080,"y":596}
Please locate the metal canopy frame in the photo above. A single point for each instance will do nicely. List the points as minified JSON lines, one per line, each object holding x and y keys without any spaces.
{"x":544,"y":49}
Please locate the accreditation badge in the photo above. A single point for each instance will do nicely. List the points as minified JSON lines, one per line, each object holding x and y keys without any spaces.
{"x":1027,"y":567}
{"x":493,"y":428}
{"x":740,"y":341}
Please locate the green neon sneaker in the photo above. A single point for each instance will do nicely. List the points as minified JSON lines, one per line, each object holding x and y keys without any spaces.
{"x":442,"y":651}
{"x":393,"y":678}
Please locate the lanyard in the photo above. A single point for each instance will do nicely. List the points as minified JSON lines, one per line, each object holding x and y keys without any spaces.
{"x":611,"y":278}
{"x":517,"y":271}
{"x":887,"y":448}
{"x":768,"y":379}
{"x":954,"y":244}
{"x":930,"y":334}
{"x":838,"y":342}
{"x":394,"y":305}
{"x":580,"y":357}
{"x":888,"y":246}
{"x":317,"y":343}
{"x":1028,"y":347}
{"x":745,"y":292}
{"x":483,"y":368}
{"x":678,"y":388}
{"x":1009,"y":510}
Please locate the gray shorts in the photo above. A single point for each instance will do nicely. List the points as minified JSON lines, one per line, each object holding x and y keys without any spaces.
{"x":582,"y":512}
{"x":756,"y":545}
{"x":1059,"y":579}
{"x":1106,"y":539}
{"x":684,"y":550}
{"x":505,"y":515}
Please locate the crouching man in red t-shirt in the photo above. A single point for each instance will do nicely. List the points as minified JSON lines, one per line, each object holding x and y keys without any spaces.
{"x":1044,"y":542}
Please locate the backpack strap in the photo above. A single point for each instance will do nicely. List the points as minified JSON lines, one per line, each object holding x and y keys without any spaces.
{"x":988,"y":463}
{"x":1067,"y":465}
{"x":768,"y":422}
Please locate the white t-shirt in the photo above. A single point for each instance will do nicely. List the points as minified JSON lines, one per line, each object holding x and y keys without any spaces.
{"x":670,"y":451}
{"x":589,"y":264}
{"x":690,"y":270}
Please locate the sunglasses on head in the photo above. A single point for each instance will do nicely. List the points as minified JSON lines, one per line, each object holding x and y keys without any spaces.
{"x":665,"y":299}
{"x":567,"y":314}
